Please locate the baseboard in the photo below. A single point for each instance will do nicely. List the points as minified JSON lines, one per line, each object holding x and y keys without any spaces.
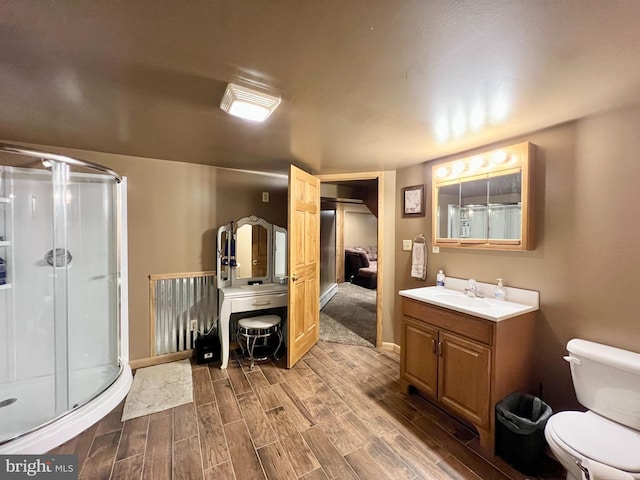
{"x":157,"y":360}
{"x":328,"y":295}
{"x":391,"y":346}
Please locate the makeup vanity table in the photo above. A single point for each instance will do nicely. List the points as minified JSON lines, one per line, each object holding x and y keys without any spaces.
{"x":252,"y":270}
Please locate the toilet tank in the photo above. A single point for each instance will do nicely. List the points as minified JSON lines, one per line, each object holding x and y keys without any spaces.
{"x":606,"y":380}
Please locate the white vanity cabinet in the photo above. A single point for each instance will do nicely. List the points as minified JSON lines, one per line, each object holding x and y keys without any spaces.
{"x":251,"y":271}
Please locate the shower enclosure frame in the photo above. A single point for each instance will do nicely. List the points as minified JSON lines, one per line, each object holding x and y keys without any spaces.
{"x":58,"y":430}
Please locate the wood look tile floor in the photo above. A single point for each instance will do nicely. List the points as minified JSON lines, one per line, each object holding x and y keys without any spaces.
{"x":338,"y":414}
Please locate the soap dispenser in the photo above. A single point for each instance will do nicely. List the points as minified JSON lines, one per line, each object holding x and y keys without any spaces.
{"x":440,"y":279}
{"x":500,"y":293}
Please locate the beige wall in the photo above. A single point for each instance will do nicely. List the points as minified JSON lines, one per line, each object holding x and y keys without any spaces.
{"x":360,"y":228}
{"x":174,"y":211}
{"x":585,"y":266}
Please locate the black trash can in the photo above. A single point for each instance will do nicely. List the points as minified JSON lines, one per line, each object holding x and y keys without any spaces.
{"x":520,"y":422}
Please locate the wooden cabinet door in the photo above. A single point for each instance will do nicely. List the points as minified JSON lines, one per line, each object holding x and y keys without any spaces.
{"x":465,"y":375}
{"x":420,"y":364}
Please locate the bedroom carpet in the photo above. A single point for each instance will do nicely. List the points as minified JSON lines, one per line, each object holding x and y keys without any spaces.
{"x":350,"y":316}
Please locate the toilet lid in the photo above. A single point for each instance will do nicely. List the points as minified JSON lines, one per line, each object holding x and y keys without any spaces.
{"x":599,"y":439}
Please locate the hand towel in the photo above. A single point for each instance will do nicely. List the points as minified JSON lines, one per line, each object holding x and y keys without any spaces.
{"x":419,"y":261}
{"x":598,"y":471}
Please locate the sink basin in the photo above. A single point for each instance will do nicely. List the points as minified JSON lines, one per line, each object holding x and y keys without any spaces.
{"x":520,"y":301}
{"x":461,"y":300}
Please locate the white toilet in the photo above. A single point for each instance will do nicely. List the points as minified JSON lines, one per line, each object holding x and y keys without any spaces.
{"x":605,"y":440}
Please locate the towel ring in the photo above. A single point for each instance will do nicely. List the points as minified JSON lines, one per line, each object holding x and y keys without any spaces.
{"x":419,"y":239}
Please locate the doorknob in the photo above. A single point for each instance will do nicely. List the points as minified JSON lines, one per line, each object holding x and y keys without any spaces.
{"x":294,"y":277}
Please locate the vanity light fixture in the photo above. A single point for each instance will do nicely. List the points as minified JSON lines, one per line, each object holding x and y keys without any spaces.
{"x":248,"y":103}
{"x":490,"y":161}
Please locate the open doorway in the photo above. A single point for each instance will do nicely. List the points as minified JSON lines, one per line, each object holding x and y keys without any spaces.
{"x":349,"y":261}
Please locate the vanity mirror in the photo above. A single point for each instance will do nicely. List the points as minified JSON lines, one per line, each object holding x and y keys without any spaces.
{"x":485,"y":201}
{"x":251,"y":250}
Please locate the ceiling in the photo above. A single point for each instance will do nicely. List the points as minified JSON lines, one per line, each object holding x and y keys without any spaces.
{"x":366,"y":85}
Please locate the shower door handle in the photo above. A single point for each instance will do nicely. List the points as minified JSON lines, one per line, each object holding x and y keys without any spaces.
{"x":59,"y":258}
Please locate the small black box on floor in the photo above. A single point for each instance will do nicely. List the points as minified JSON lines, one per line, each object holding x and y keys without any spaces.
{"x":207,"y":348}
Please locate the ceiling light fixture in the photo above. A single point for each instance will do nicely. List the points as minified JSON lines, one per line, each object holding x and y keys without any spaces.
{"x":247,"y":103}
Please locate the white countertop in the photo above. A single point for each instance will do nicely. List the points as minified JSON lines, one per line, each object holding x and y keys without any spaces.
{"x":452,"y":297}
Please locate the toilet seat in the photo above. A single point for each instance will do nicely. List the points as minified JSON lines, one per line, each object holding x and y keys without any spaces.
{"x":586,"y":434}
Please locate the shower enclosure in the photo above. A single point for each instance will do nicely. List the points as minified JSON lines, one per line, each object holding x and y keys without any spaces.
{"x":63,"y":336}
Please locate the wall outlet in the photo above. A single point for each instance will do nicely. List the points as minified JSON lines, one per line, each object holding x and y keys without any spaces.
{"x":265,"y":197}
{"x":406,"y":245}
{"x":435,"y":249}
{"x":194,"y":325}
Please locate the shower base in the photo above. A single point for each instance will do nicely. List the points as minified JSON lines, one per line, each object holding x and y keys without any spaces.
{"x":29,"y":404}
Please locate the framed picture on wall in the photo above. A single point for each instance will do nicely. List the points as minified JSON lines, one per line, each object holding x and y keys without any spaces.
{"x":413,"y":201}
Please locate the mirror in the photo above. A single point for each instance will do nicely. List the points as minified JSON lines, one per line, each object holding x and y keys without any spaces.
{"x":484,"y":201}
{"x":223,"y":255}
{"x":505,"y":207}
{"x":251,"y":250}
{"x":252,"y":247}
{"x":279,"y":252}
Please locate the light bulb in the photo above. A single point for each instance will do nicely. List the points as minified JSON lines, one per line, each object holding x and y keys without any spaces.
{"x":477,"y":162}
{"x":499,"y":157}
{"x":458,"y":167}
{"x":442,"y":172}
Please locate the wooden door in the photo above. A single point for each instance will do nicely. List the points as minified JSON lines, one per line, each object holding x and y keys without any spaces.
{"x":464,"y":377}
{"x":418,"y":360}
{"x":304,"y":264}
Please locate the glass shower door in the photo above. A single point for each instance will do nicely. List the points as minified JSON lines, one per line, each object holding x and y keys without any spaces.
{"x":92,"y":284}
{"x":28,"y":365}
{"x":59,"y":307}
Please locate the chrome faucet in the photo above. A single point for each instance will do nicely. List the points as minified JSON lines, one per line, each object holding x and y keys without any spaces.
{"x":472,"y":289}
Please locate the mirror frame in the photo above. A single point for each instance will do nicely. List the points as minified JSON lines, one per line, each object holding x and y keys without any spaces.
{"x":494,"y":163}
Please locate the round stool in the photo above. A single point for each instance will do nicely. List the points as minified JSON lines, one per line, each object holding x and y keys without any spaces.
{"x":254,"y":328}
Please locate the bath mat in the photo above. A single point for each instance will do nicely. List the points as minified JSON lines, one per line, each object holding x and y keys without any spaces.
{"x":158,"y":388}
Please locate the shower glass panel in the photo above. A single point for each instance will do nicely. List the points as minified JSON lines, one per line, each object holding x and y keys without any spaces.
{"x":58,"y":307}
